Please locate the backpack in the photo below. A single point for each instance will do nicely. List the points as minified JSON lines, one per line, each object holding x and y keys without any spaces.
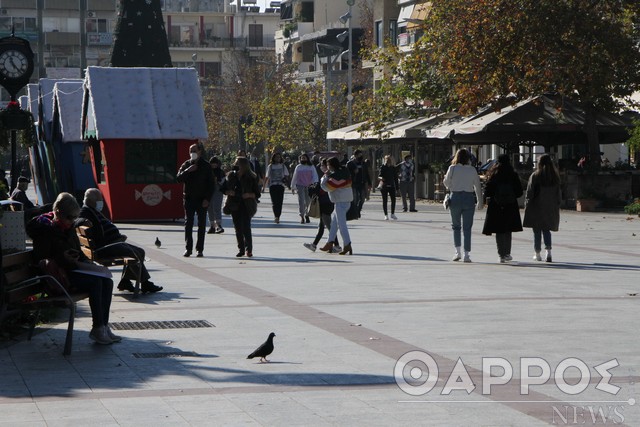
{"x":504,"y":194}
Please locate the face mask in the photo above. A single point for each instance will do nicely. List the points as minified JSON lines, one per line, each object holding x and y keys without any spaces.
{"x":194,"y":156}
{"x":99,"y":205}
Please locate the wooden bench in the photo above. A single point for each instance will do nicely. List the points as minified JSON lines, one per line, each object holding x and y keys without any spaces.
{"x":24,"y":288}
{"x":91,"y":251}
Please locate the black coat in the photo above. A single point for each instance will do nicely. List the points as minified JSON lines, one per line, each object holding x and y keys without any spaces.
{"x":198,"y":185}
{"x":502,"y":218}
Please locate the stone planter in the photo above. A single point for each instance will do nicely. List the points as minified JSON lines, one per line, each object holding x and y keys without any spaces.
{"x":586,"y":205}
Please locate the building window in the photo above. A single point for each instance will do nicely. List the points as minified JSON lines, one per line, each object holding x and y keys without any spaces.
{"x":97,"y":25}
{"x":150,"y":161}
{"x":393,"y":31}
{"x":378,"y":36}
{"x":212,"y":69}
{"x":255,"y":35}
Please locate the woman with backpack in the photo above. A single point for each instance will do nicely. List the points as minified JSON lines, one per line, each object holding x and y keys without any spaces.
{"x":503,"y":188}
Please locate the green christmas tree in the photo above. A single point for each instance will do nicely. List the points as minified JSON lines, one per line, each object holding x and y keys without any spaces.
{"x":140,"y":38}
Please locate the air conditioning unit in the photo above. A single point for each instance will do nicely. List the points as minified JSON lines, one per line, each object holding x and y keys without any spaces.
{"x":91,"y":14}
{"x":4,"y":12}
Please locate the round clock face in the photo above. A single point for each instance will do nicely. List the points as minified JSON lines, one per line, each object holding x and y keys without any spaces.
{"x":13,"y":64}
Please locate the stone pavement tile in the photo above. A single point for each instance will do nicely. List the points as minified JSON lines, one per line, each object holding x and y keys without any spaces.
{"x":67,"y":413}
{"x":18,"y":413}
{"x":137,"y":411}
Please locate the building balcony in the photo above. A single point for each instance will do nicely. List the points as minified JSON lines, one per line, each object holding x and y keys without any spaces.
{"x":265,"y":42}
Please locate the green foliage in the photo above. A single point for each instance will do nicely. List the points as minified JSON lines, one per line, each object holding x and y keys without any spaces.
{"x":633,"y":208}
{"x":26,"y":137}
{"x":634,"y":139}
{"x":480,"y":52}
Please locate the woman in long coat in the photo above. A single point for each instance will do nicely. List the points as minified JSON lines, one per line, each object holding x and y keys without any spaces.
{"x":503,"y":188}
{"x":242,"y":190}
{"x":542,"y":205}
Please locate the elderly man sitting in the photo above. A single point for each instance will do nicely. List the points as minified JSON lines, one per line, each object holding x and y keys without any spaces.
{"x":111,"y":243}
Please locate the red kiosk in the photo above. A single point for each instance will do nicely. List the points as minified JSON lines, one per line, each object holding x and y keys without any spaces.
{"x":140,"y":123}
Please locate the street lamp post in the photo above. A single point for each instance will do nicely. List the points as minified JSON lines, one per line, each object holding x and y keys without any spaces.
{"x":344,"y":19}
{"x":321,"y":47}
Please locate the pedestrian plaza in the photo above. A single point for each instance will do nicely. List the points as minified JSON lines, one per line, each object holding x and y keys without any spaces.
{"x":343,"y":324}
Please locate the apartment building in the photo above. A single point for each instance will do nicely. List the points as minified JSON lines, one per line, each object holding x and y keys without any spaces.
{"x":305,"y":24}
{"x":69,"y":35}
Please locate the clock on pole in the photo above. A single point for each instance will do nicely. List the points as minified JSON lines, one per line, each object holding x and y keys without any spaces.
{"x":16,"y":68}
{"x":16,"y":64}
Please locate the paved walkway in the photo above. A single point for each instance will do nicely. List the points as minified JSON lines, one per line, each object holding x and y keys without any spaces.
{"x":342,"y":322}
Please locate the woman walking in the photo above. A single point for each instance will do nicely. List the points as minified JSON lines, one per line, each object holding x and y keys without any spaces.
{"x":242,"y":190}
{"x":326,"y":209}
{"x":337,"y":182}
{"x":542,"y":205}
{"x":503,"y":188}
{"x":275,"y":179}
{"x":304,"y":175}
{"x":463,"y":182}
{"x":388,"y":184}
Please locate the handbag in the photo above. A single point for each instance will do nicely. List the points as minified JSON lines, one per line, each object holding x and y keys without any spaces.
{"x":230,"y":205}
{"x":313,"y":210}
{"x":447,"y":197}
{"x":447,"y":201}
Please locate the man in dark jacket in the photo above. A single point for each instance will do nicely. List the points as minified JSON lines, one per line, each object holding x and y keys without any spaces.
{"x":197,"y":178}
{"x":360,"y":179}
{"x":110,"y":243}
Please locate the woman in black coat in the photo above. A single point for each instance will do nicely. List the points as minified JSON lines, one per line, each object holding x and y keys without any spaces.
{"x":242,"y":190}
{"x":503,"y":188}
{"x":388,"y":184}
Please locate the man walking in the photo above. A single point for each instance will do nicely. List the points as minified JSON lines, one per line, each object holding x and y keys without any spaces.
{"x":407,"y":187}
{"x":197,"y":177}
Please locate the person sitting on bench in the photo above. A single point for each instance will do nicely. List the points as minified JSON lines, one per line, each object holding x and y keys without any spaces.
{"x":54,"y":237}
{"x":110,"y":243}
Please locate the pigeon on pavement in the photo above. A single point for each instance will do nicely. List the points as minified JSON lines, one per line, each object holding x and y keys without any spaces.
{"x":158,"y":242}
{"x":264,"y":350}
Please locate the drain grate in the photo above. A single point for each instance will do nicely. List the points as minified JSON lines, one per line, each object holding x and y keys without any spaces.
{"x":165,"y":355}
{"x":169,"y":324}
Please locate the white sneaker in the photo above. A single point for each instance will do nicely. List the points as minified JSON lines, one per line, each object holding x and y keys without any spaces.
{"x":502,"y":260}
{"x":310,"y":246}
{"x":394,"y":217}
{"x":386,"y":218}
{"x":537,"y":257}
{"x":456,"y":257}
{"x":508,"y":258}
{"x":466,"y":258}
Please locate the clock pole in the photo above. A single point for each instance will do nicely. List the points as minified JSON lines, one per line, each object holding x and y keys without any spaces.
{"x":16,"y":68}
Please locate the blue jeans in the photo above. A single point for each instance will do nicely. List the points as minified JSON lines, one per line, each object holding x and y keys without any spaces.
{"x":538,"y":235}
{"x":462,"y":208}
{"x":339,"y":222}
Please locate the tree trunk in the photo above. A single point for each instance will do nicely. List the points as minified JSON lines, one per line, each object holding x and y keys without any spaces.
{"x":593,"y":140}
